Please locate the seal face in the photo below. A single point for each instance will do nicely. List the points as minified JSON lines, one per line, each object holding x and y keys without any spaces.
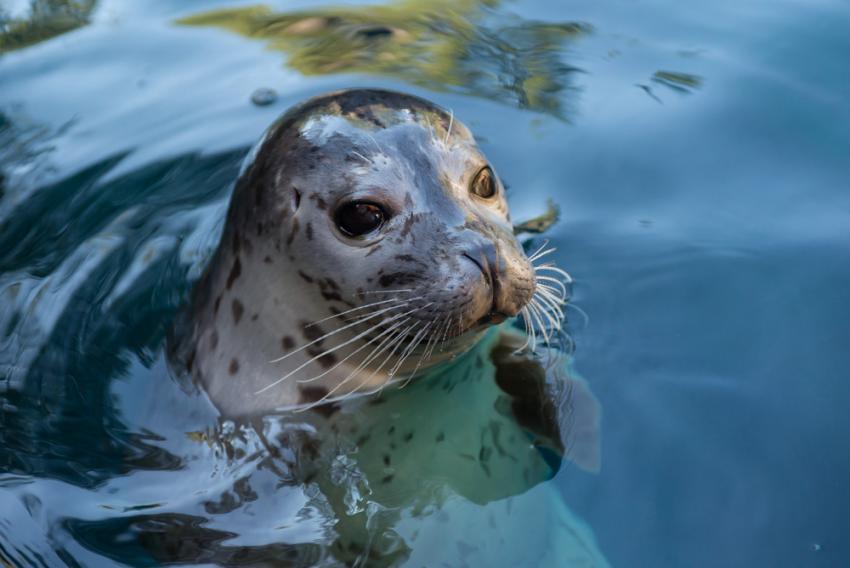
{"x":369,"y":238}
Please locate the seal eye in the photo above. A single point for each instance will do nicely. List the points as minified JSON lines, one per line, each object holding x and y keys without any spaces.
{"x":484,"y":184}
{"x":358,"y":218}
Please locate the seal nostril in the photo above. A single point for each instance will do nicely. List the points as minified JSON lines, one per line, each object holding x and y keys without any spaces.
{"x":484,"y":270}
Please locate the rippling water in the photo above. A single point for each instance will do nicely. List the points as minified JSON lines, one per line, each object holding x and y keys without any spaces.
{"x":700,"y":156}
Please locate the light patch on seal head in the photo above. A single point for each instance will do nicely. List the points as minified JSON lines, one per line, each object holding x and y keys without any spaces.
{"x":319,"y":129}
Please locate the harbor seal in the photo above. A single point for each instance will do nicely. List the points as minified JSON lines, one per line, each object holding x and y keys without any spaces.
{"x":368,"y":243}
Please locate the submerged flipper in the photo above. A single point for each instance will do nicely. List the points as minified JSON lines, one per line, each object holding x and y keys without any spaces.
{"x":550,"y":400}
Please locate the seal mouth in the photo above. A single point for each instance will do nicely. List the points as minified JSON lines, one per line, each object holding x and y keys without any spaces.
{"x":492,"y":318}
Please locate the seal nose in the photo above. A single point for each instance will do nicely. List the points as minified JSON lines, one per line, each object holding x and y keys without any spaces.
{"x":486,"y":256}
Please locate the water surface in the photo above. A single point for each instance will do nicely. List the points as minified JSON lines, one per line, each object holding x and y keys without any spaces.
{"x":700,"y":156}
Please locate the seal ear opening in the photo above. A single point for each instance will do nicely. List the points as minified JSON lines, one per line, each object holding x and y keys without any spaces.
{"x":296,"y":199}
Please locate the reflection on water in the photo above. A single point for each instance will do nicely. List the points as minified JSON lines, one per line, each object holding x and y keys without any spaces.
{"x":44,"y":20}
{"x":464,"y":46}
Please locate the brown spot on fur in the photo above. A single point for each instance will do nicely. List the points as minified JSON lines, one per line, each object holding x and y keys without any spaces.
{"x":234,"y":366}
{"x":311,"y":332}
{"x":309,"y":231}
{"x":267,"y":260}
{"x":235,"y":272}
{"x":255,"y":317}
{"x":328,"y":289}
{"x":287,"y":343}
{"x":238,"y":310}
{"x":326,"y":361}
{"x":310,"y":394}
{"x":305,"y":276}
{"x":396,"y":278}
{"x":320,"y":203}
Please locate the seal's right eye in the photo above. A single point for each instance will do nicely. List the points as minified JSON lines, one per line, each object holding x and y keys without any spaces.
{"x":358,"y":218}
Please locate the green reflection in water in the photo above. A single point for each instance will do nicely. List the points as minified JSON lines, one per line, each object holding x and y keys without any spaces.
{"x":46,"y":19}
{"x":464,"y":46}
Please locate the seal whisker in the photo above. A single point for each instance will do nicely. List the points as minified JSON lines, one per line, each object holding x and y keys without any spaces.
{"x":398,"y":342}
{"x":533,"y":255}
{"x":556,"y":301}
{"x":445,"y":332}
{"x":332,"y":349}
{"x":400,"y":290}
{"x":422,"y":356}
{"x":414,"y":344}
{"x":334,"y":332}
{"x":430,"y":346}
{"x":528,"y":332}
{"x":451,"y":122}
{"x":540,"y":254}
{"x":534,"y":311}
{"x":376,"y":352}
{"x":552,"y":294}
{"x":530,"y":327}
{"x":410,"y":347}
{"x":552,"y":268}
{"x":361,"y":156}
{"x":378,"y":146}
{"x":391,"y":331}
{"x":548,"y":300}
{"x":544,"y":307}
{"x":543,"y":282}
{"x":394,"y":341}
{"x":363,"y":307}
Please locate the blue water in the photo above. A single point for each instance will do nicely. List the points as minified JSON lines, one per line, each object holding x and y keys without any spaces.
{"x":705,"y":218}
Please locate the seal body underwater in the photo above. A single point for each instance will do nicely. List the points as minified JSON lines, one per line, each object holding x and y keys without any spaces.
{"x":368,"y":246}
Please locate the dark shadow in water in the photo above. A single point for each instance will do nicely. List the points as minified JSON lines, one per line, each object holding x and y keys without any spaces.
{"x":46,"y":19}
{"x":462,"y":46}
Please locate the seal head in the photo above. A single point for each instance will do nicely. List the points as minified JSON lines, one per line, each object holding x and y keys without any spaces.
{"x":368,"y":238}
